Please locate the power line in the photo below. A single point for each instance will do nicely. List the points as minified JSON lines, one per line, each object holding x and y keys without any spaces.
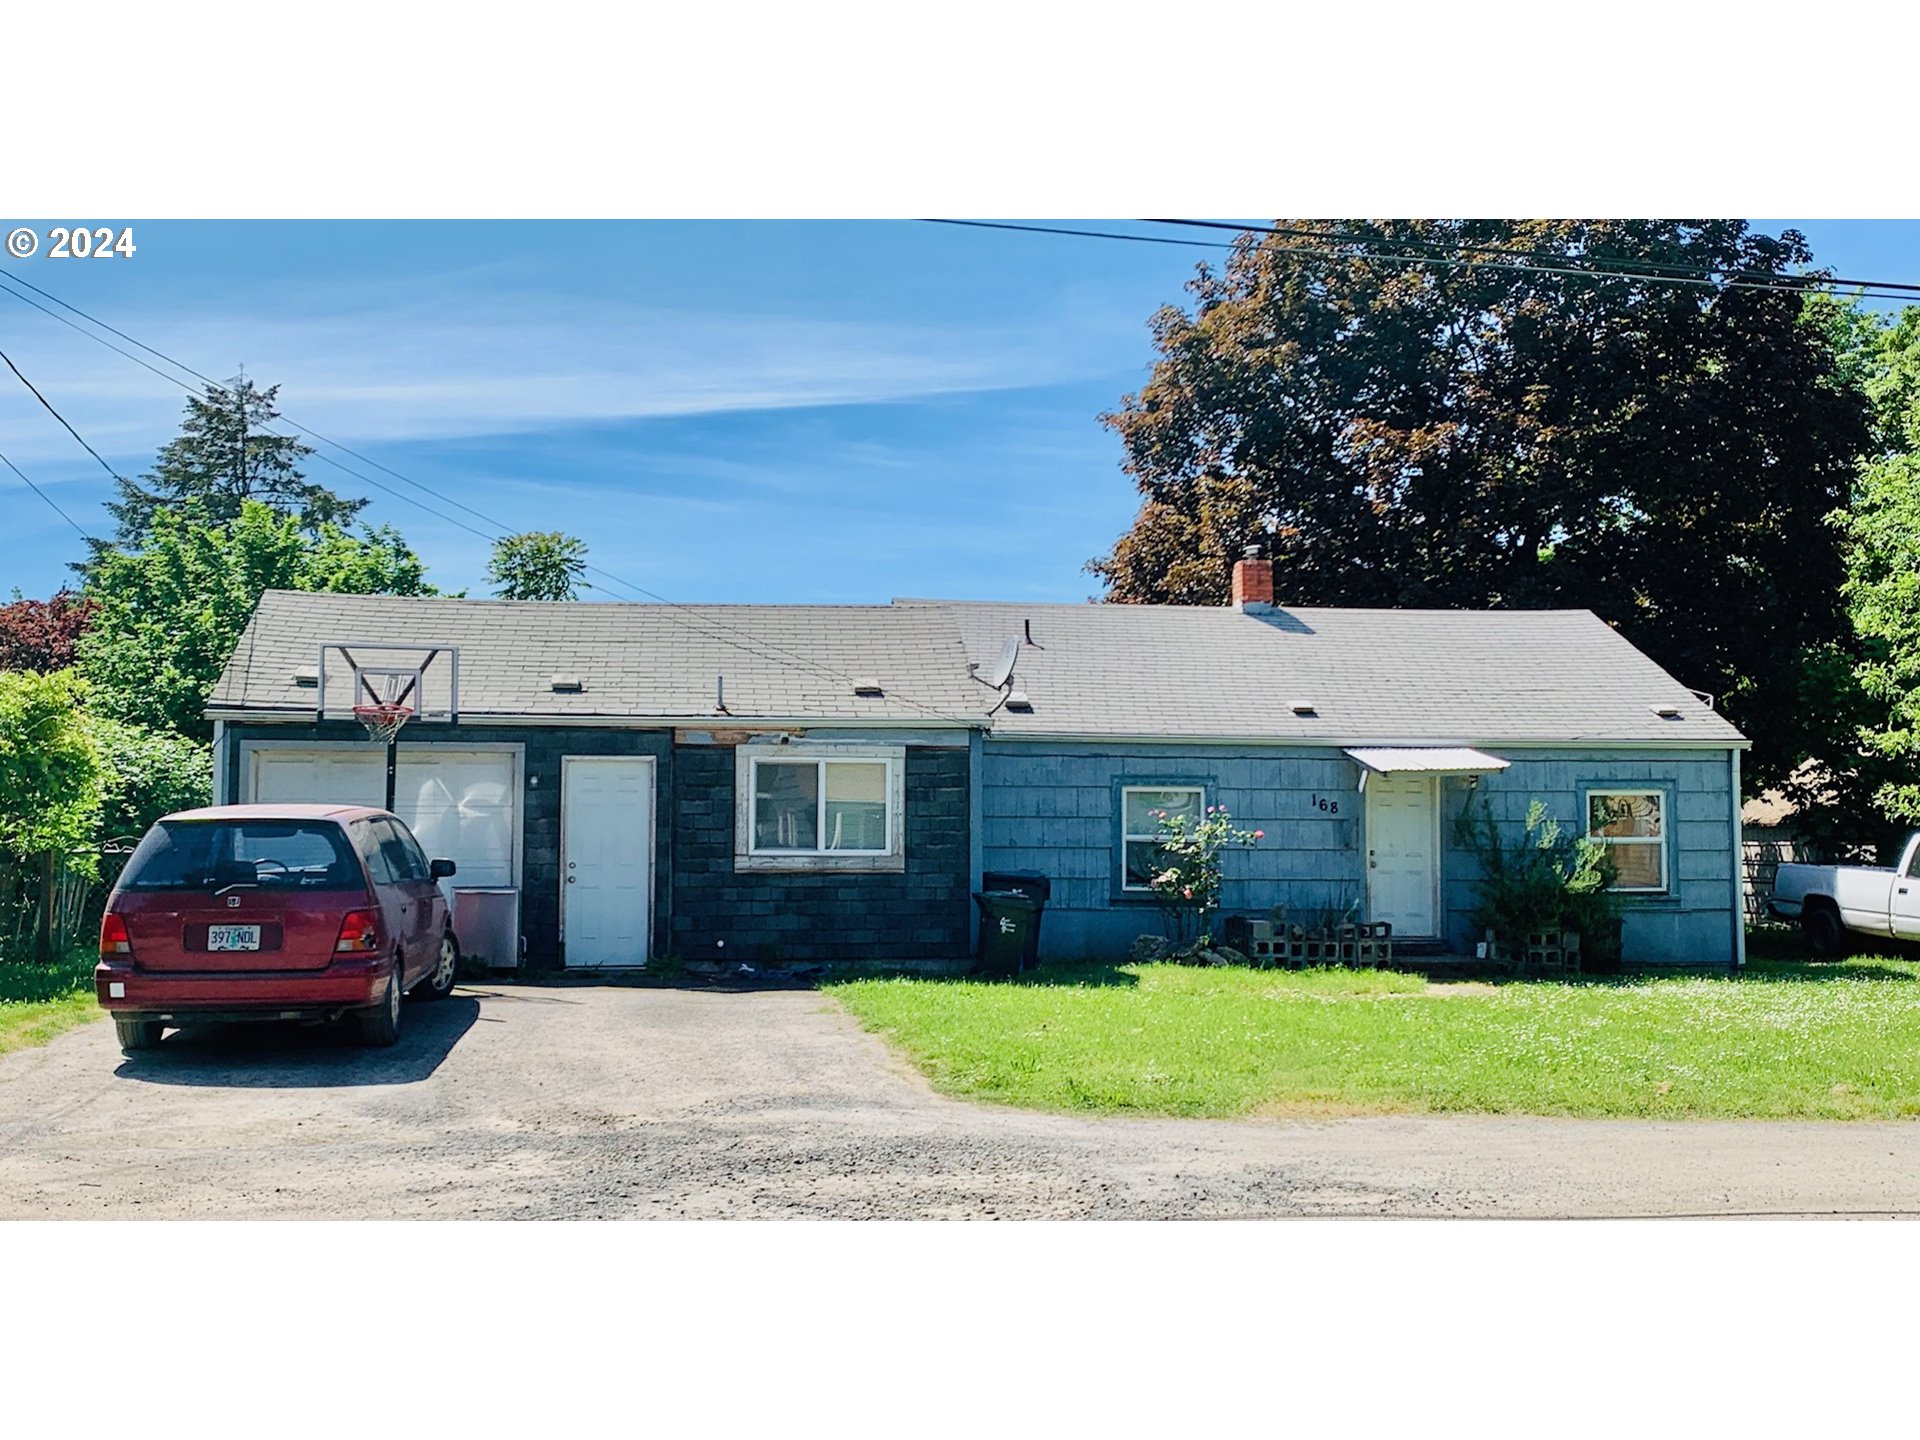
{"x":57,"y":415}
{"x":1703,"y":272}
{"x":705,"y":625}
{"x":1085,"y":234}
{"x":1785,"y":283}
{"x":46,"y":497}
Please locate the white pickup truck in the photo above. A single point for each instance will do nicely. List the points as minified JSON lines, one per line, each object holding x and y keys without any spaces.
{"x":1827,"y":900}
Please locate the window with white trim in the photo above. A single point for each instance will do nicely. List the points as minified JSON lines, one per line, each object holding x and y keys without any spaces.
{"x":819,"y":807}
{"x":1632,"y":824}
{"x":1141,"y":807}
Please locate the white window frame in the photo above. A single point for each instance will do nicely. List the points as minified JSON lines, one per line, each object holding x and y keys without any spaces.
{"x":1128,"y":837}
{"x":748,"y":856}
{"x":1666,"y":832}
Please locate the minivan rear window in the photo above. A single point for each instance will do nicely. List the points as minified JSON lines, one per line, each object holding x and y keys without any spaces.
{"x":269,"y":854}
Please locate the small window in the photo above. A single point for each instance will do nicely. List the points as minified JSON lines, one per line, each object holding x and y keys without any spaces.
{"x":368,"y":838}
{"x":1632,"y":825}
{"x":812,"y":805}
{"x":1141,"y":807}
{"x":416,"y":858}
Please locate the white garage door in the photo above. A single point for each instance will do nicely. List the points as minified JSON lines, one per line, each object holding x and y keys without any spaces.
{"x":462,"y":804}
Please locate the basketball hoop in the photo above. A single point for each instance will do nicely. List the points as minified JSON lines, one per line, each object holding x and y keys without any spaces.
{"x":383,"y":721}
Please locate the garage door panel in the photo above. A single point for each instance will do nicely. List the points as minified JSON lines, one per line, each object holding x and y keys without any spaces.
{"x":460,"y":804}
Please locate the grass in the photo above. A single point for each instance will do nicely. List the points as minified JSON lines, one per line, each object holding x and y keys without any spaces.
{"x":1786,"y":1039}
{"x":38,"y":1002}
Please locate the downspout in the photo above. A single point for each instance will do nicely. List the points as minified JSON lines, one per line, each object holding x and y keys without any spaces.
{"x":220,"y":763}
{"x":976,"y":850}
{"x":1739,"y":869}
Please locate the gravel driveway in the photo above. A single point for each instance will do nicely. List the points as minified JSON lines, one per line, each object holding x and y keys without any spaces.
{"x":574,"y":1101}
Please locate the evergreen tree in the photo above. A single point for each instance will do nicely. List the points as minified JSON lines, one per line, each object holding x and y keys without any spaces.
{"x":224,"y":456}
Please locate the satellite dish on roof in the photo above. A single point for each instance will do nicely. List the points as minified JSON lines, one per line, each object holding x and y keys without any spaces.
{"x":1001,"y":670}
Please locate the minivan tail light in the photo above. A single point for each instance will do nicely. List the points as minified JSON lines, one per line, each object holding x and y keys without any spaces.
{"x":359,"y":934}
{"x":113,"y":936}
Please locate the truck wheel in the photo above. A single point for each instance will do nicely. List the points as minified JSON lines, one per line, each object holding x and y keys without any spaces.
{"x":137,"y":1034}
{"x":1823,"y":931}
{"x":380,"y":1024}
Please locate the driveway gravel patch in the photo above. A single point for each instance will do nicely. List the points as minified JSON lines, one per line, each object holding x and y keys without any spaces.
{"x":564,"y":1101}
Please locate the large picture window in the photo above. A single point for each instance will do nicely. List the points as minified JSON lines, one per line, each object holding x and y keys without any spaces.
{"x":1141,"y":807}
{"x":1632,"y":824}
{"x":819,"y":808}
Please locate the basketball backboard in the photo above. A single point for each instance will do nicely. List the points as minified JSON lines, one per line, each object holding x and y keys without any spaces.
{"x":423,"y":676}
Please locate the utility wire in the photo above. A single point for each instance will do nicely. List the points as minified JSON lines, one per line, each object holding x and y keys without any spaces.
{"x":1785,"y":283}
{"x":46,"y":497}
{"x":706,"y":625}
{"x":57,"y":415}
{"x":1085,"y":234}
{"x":1692,"y":271}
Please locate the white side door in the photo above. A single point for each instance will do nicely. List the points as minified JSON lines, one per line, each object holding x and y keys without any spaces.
{"x":1403,"y":854}
{"x":606,"y":858}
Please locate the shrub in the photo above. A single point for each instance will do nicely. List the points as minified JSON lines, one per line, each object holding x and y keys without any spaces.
{"x":1549,"y":881}
{"x":1186,"y":880}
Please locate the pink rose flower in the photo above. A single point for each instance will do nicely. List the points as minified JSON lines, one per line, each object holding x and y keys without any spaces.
{"x":1259,"y":834}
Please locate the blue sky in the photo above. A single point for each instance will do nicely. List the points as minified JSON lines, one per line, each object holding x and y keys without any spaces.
{"x":807,"y":411}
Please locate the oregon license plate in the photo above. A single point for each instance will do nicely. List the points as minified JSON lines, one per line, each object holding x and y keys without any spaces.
{"x":233,"y":937}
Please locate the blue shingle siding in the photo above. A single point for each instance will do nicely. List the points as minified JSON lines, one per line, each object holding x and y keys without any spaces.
{"x":921,"y":914}
{"x":1693,"y":923}
{"x":1054,"y":807}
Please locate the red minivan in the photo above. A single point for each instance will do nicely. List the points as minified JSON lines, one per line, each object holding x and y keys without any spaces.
{"x":274,"y":912}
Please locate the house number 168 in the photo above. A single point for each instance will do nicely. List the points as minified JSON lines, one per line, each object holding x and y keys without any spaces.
{"x":1321,"y":802}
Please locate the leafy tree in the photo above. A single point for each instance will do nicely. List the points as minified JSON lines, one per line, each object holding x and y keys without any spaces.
{"x":538,"y":565}
{"x":50,"y":783}
{"x":40,"y":634}
{"x":223,"y":457}
{"x":147,"y":774}
{"x":1882,"y":529}
{"x":1489,"y":434}
{"x":170,"y":612}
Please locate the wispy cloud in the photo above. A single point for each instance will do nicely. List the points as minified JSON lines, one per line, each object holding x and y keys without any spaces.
{"x":463,"y":362}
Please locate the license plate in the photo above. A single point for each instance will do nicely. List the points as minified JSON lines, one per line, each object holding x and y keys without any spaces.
{"x":233,"y":937}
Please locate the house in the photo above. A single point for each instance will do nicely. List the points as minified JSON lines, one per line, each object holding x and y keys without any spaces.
{"x":831,"y":783}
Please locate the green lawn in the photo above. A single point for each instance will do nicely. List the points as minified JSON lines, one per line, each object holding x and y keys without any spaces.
{"x":37,"y":1002}
{"x":1787,"y":1039}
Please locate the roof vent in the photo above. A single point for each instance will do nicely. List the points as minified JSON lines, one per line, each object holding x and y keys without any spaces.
{"x":566,"y":685}
{"x":1666,"y":712}
{"x":306,"y":677}
{"x":1303,"y":707}
{"x":1018,"y":701}
{"x":866,"y":685}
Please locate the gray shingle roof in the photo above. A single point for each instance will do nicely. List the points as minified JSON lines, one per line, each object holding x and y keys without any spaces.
{"x":642,"y":661}
{"x":1372,"y":676}
{"x":1380,"y":677}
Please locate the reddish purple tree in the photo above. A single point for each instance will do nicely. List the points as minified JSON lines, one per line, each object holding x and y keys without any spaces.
{"x":40,"y":634}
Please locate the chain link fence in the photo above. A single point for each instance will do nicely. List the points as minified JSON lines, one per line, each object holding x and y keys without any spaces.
{"x":66,"y":893}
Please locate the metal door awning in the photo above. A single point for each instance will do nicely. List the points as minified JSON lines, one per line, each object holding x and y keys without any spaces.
{"x":1436,"y":760}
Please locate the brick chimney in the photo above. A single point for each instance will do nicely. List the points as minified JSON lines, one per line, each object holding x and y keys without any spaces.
{"x":1252,"y":580}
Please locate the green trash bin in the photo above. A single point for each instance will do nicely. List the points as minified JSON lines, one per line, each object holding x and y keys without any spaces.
{"x":1007,"y":917}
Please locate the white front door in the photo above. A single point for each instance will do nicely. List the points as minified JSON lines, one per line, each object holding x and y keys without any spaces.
{"x":606,"y":858}
{"x":1403,"y":853}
